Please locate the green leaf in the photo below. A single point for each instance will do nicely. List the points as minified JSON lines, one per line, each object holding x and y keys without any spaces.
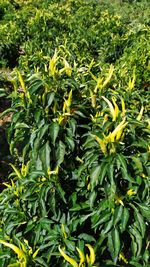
{"x":124,"y":219}
{"x":108,"y":226}
{"x":35,"y":149}
{"x":54,"y":130}
{"x":114,"y":244}
{"x":102,"y":219}
{"x":69,"y":244}
{"x":94,"y":175}
{"x":122,"y":162}
{"x":92,"y":198}
{"x":72,"y":125}
{"x":38,"y":163}
{"x":20,"y":125}
{"x":138,"y":164}
{"x":60,"y":153}
{"x":118,"y":214}
{"x":61,"y":192}
{"x":37,"y":233}
{"x":110,"y":244}
{"x":134,"y":246}
{"x":86,"y":237}
{"x":139,"y":219}
{"x":42,"y":131}
{"x":148,"y":170}
{"x":14,"y":265}
{"x":78,"y":112}
{"x":145,"y":210}
{"x":146,"y":256}
{"x":40,"y":261}
{"x":34,"y":87}
{"x":110,"y":172}
{"x":45,"y":156}
{"x":50,"y":98}
{"x":32,"y":138}
{"x":104,"y":167}
{"x":70,"y":142}
{"x":116,"y":241}
{"x":136,"y":238}
{"x":136,"y":264}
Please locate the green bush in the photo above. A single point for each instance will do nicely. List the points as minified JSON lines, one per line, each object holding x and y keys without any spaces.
{"x":78,"y":194}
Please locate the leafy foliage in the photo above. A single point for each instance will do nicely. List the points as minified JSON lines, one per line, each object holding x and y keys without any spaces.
{"x":79,"y":135}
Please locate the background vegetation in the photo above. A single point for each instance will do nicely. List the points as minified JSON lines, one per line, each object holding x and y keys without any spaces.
{"x":74,"y":85}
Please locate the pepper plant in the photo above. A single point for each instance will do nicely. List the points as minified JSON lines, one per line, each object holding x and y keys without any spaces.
{"x":79,"y":189}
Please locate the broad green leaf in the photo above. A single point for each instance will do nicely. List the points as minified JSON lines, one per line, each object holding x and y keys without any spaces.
{"x":70,"y":142}
{"x":138,"y":164}
{"x":35,"y":86}
{"x":118,"y":214}
{"x":136,"y":264}
{"x":36,"y":146}
{"x":41,"y":261}
{"x":80,"y":114}
{"x":145,"y":210}
{"x":104,"y":167}
{"x":134,"y":246}
{"x":32,"y":138}
{"x":124,"y":219}
{"x":110,"y":245}
{"x":42,"y":131}
{"x":38,"y":163}
{"x":102,"y":219}
{"x":108,"y":226}
{"x":50,"y":98}
{"x":139,"y":219}
{"x":146,"y":256}
{"x":54,"y":130}
{"x":60,"y":153}
{"x":110,"y":172}
{"x":37,"y":234}
{"x":116,"y":241}
{"x":61,"y":192}
{"x":124,"y":169}
{"x":122,"y":161}
{"x":14,"y":265}
{"x":86,"y":237}
{"x":72,"y":124}
{"x":148,"y":170}
{"x":69,"y":244}
{"x":94,"y":176}
{"x":21,"y":125}
{"x":92,"y":198}
{"x":138,"y":239}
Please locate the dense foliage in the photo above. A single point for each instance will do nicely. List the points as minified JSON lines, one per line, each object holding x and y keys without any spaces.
{"x":77,"y":73}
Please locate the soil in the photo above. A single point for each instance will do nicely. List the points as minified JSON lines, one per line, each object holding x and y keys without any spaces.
{"x":4,"y":147}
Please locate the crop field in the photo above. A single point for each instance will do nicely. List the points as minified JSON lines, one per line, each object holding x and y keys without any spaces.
{"x":74,"y":133}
